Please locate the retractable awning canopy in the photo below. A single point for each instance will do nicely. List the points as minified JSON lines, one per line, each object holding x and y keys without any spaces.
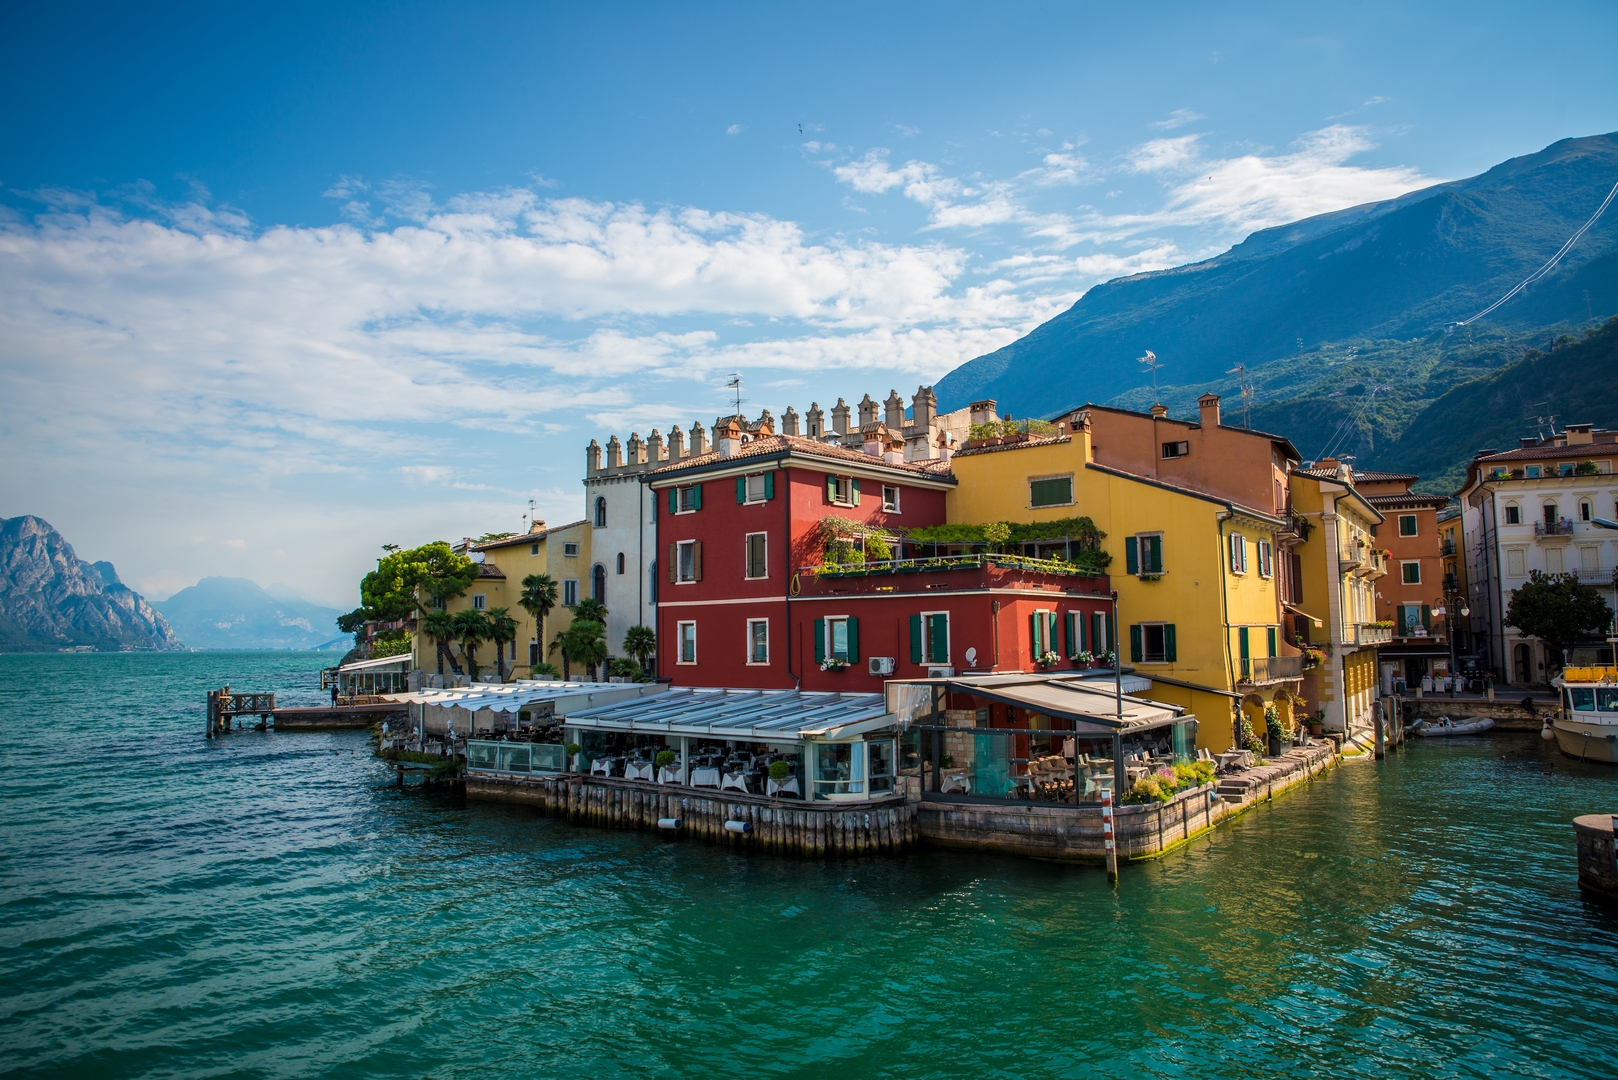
{"x":564,"y":697}
{"x":744,"y":715}
{"x":1091,"y":705}
{"x":402,"y":661}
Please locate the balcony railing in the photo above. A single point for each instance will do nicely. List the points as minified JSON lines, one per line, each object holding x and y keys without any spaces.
{"x":950,"y":562}
{"x":1451,"y":583}
{"x":1549,"y":529}
{"x":1259,"y":670}
{"x":1371,"y":634}
{"x":1447,"y":547}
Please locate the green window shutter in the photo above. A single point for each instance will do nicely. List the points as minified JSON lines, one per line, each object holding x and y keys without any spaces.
{"x":915,"y":639}
{"x":741,"y":490}
{"x":853,"y":641}
{"x":1427,"y":618}
{"x":1070,"y":635}
{"x":1169,"y":652}
{"x":1132,"y":554}
{"x":856,"y":486}
{"x":696,"y":496}
{"x":831,"y":488}
{"x":1134,"y":643}
{"x":1241,"y":644}
{"x":674,"y":500}
{"x":1269,"y":633}
{"x":938,"y":638}
{"x":1155,"y":563}
{"x":1050,"y":636}
{"x":1096,"y":630}
{"x":1033,"y":634}
{"x":769,"y":485}
{"x":820,"y":641}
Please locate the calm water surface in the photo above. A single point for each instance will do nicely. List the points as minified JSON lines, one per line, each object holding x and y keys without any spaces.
{"x":270,"y":905}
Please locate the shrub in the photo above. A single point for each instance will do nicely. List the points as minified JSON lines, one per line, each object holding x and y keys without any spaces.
{"x":779,"y":770}
{"x":544,"y":670}
{"x":572,"y":748}
{"x":1194,"y":773}
{"x":1150,"y":788}
{"x":665,"y":758}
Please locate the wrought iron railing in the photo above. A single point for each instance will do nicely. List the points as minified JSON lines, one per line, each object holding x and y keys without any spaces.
{"x":1268,"y":669}
{"x":1553,"y":528}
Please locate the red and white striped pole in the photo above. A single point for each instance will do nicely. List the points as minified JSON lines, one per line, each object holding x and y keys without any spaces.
{"x":1106,"y":833}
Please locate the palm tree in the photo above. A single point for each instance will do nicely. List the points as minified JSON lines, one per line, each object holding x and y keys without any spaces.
{"x":538,"y":597}
{"x":591,"y":610}
{"x":502,"y":630}
{"x":472,"y":627}
{"x":589,"y":644}
{"x":561,"y":644}
{"x":440,"y":626}
{"x":640,"y":642}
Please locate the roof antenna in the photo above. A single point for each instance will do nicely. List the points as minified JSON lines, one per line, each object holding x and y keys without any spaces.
{"x":1248,"y":393}
{"x":735,"y":383}
{"x":1149,"y":362}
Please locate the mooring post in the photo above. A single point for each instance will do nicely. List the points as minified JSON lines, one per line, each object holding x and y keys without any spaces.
{"x":1106,"y":835}
{"x":1381,"y":730}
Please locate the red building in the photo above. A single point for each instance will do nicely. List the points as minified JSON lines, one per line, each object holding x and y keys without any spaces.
{"x":773,"y":574}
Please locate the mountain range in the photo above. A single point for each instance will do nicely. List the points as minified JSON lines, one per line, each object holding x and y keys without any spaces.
{"x":235,"y":613}
{"x":52,"y":599}
{"x":1343,"y":323}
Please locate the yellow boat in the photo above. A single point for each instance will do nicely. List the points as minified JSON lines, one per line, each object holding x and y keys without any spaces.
{"x":1587,"y":727}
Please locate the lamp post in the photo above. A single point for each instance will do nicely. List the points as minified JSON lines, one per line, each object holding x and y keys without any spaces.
{"x":1452,"y":601}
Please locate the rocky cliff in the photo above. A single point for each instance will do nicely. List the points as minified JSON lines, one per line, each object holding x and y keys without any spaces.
{"x":52,"y":599}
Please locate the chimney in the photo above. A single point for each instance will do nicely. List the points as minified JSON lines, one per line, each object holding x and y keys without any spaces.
{"x":1527,"y":442}
{"x":592,"y":458}
{"x":1327,"y":463}
{"x":923,"y":407}
{"x":654,"y":448}
{"x":816,"y":420}
{"x":637,"y":449}
{"x":946,"y":446}
{"x":728,"y":437}
{"x":615,"y":453}
{"x":839,"y":417}
{"x":766,"y":424}
{"x":875,"y":438}
{"x":699,"y":440}
{"x":537,"y":525}
{"x":867,"y":411}
{"x":982,"y":412}
{"x":789,"y":421}
{"x":894,"y":411}
{"x":1159,"y":412}
{"x":1208,"y":405}
{"x":676,"y":443}
{"x":1579,"y":434}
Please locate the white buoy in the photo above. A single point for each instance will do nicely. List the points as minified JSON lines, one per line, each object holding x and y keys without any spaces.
{"x":739,"y":826}
{"x":669,"y":823}
{"x":1545,"y":732}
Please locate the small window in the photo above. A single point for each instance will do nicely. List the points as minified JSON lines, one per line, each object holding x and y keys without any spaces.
{"x":480,"y":602}
{"x":1238,"y":553}
{"x":1565,"y":469}
{"x":756,"y":488}
{"x":1266,"y":561}
{"x":570,"y":592}
{"x":620,"y":562}
{"x":758,"y":641}
{"x":1407,"y":524}
{"x":837,"y":638}
{"x":1515,"y":562}
{"x":890,"y":498}
{"x":1143,"y":554}
{"x":570,"y":550}
{"x":929,"y":637}
{"x":1513,"y":514}
{"x":841,"y":490}
{"x":757,"y":544}
{"x":1155,"y":643}
{"x":688,"y":642}
{"x":690,"y":499}
{"x":1176,"y":449}
{"x":1589,"y":560}
{"x":687,"y":561}
{"x":1585,"y":510}
{"x":601,"y":512}
{"x":1532,"y":472}
{"x":534,"y":548}
{"x":1054,"y":491}
{"x":1410,"y":572}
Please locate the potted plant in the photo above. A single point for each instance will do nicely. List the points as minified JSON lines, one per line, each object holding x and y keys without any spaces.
{"x":665,"y":758}
{"x":835,"y":663}
{"x":1048,"y":658}
{"x":572,"y":751}
{"x":1317,"y":723}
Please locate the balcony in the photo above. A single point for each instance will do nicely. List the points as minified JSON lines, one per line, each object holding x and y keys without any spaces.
{"x":947,"y":573}
{"x":1264,"y":670}
{"x":1372,"y":633}
{"x":1451,"y":583}
{"x":1447,"y":547}
{"x":1554,"y":532}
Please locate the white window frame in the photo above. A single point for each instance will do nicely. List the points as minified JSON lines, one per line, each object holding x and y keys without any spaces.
{"x":680,"y":639}
{"x":1403,"y":563}
{"x":570,"y":592}
{"x":890,"y":506}
{"x":1415,"y":525}
{"x":480,"y":601}
{"x":753,"y":499}
{"x":570,"y":550}
{"x":1237,"y":555}
{"x":747,"y":557}
{"x":927,"y":637}
{"x":685,"y":499}
{"x":1266,"y":559}
{"x":680,"y":562}
{"x":1032,"y":480}
{"x":828,"y":652}
{"x":751,"y":662}
{"x":1510,"y":506}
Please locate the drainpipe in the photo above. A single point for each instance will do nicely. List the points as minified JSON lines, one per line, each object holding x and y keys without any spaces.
{"x":994,"y":625}
{"x":1224,"y":607}
{"x":786,"y":567}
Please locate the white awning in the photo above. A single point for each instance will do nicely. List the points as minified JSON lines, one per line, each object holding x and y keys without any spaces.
{"x":403,"y":660}
{"x":563,"y":697}
{"x":743,"y":715}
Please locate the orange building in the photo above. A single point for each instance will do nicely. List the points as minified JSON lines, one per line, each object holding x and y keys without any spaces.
{"x":1414,"y":595}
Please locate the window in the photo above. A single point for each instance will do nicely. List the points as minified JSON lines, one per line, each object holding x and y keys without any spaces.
{"x":480,"y":602}
{"x":1514,"y":562}
{"x":570,"y":592}
{"x":890,"y":498}
{"x":533,"y":654}
{"x":687,"y":634}
{"x":1238,"y":553}
{"x":1415,"y":620}
{"x":1052,"y":491}
{"x":1550,"y":511}
{"x":929,"y":638}
{"x":1407,"y":524}
{"x":1513,"y":514}
{"x":534,"y":548}
{"x":598,"y":583}
{"x":756,"y":488}
{"x":601,"y":511}
{"x":881,"y":770}
{"x":1042,"y":633}
{"x":1266,"y":559}
{"x":1565,"y":469}
{"x":1152,"y":643}
{"x":685,"y":561}
{"x":620,"y":562}
{"x":1176,"y":449}
{"x":1585,"y":510}
{"x":758,"y":641}
{"x":1410,"y":571}
{"x":842,"y":490}
{"x":571,"y":551}
{"x":837,"y":638}
{"x":685,"y":500}
{"x":1532,"y":472}
{"x":1553,"y":560}
{"x":757,"y":567}
{"x":1143,"y":554}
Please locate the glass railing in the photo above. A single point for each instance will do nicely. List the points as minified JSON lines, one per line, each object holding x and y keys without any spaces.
{"x":515,"y":757}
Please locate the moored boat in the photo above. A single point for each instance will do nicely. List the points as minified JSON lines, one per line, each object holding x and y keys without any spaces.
{"x":1587,"y":727}
{"x":1445,"y":726}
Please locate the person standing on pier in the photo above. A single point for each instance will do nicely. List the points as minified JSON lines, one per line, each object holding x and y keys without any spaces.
{"x":334,"y":693}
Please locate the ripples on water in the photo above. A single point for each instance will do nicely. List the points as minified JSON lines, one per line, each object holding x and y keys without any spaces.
{"x":270,"y":905}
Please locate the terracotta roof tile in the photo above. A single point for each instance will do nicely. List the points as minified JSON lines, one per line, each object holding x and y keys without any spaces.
{"x":767,"y":445}
{"x":1553,"y":453}
{"x":1366,"y":477}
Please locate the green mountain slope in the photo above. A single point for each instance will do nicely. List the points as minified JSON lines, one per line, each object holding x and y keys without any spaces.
{"x":1387,"y":272}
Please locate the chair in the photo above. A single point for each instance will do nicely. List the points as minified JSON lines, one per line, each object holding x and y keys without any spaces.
{"x":956,"y":783}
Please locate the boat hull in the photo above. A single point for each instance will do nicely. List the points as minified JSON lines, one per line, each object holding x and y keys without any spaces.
{"x":1587,"y":742}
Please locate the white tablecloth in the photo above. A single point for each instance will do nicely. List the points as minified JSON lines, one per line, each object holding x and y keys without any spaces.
{"x":638,"y":770}
{"x":734,"y":782}
{"x":704,"y":777}
{"x":790,"y":784}
{"x":601,"y":767}
{"x":956,"y":783}
{"x":668,"y":774}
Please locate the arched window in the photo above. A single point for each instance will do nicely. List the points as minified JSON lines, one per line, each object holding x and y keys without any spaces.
{"x":598,"y":583}
{"x":620,"y":562}
{"x":601,"y":511}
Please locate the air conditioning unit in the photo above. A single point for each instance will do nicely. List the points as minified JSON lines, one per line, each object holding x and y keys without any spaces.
{"x":880,"y":665}
{"x":940,"y":673}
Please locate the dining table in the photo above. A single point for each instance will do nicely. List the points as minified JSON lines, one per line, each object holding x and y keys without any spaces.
{"x":637,"y":770}
{"x":735,"y":781}
{"x":787,"y":786}
{"x":707,"y":776}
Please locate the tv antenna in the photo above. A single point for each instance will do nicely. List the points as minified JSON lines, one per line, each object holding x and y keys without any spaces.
{"x":1149,"y":362}
{"x":735,"y":384}
{"x":1543,"y":420}
{"x":1248,"y":392}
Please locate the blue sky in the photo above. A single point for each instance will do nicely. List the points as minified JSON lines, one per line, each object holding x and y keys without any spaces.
{"x":279,"y":285}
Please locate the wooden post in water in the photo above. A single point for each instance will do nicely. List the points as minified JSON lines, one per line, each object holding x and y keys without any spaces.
{"x":1381,"y":730}
{"x":1106,"y":835}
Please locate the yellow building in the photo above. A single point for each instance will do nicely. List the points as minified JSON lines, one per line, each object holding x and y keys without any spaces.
{"x":563,"y":553}
{"x":1198,"y":601}
{"x":1340,"y":563}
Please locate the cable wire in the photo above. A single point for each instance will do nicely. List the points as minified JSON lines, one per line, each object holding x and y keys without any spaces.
{"x":1543,"y":270}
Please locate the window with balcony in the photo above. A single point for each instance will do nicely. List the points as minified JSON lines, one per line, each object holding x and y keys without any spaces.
{"x":757,"y":548}
{"x":1152,"y":643}
{"x":1176,"y":449}
{"x":1407,"y":524}
{"x":687,"y":636}
{"x":758,"y":641}
{"x":1051,"y":491}
{"x":1410,"y":571}
{"x":1549,"y":511}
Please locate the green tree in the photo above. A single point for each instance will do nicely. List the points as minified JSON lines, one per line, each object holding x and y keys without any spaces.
{"x":440,"y":626}
{"x":560,"y":646}
{"x":641,"y":643}
{"x":538,"y":598}
{"x":585,"y":644}
{"x":354,"y":623}
{"x":472,"y":629}
{"x":1558,"y":609}
{"x":394,"y":589}
{"x":591,"y":610}
{"x":502,"y":631}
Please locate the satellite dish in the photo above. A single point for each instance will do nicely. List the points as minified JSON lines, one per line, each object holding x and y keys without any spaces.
{"x":971,"y":657}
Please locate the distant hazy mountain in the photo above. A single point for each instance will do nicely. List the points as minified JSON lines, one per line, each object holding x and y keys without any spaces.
{"x":52,"y":599}
{"x":1392,"y":270}
{"x":235,"y":613}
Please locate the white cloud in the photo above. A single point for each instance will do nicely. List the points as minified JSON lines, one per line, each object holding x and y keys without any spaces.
{"x":1170,"y":154}
{"x":1178,"y":118}
{"x":734,"y":129}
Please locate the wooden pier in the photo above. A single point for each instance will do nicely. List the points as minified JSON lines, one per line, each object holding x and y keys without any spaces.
{"x":229,"y":711}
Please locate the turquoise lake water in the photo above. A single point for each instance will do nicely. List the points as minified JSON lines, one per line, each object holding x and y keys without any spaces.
{"x":270,"y":905}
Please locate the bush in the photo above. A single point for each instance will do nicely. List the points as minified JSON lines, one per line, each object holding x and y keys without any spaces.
{"x":1194,"y":773}
{"x":665,"y":758}
{"x":572,"y":748}
{"x":779,"y":770}
{"x":546,"y":670}
{"x":1150,"y":788}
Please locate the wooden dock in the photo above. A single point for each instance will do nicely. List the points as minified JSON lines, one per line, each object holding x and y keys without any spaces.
{"x":229,"y":711}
